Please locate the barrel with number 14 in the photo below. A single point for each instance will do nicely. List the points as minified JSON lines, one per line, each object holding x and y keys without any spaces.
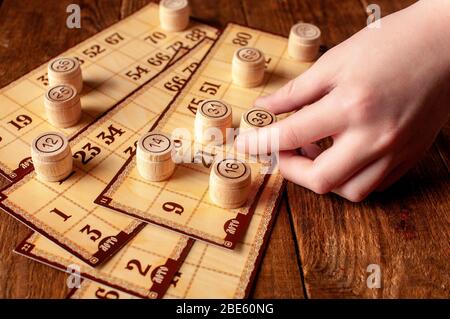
{"x":154,"y":156}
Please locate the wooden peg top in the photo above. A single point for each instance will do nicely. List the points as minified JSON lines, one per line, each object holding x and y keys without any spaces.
{"x":155,"y":147}
{"x":305,"y":33}
{"x":250,"y":57}
{"x":64,"y":67}
{"x":61,"y":95}
{"x":232,"y":173}
{"x":50,"y":147}
{"x":214,"y":111}
{"x":258,"y":117}
{"x":174,"y":6}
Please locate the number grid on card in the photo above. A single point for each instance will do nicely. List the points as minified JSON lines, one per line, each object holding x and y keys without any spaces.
{"x":175,"y":204}
{"x":65,"y":212}
{"x":146,"y":267}
{"x":93,"y":290}
{"x":115,"y":63}
{"x":209,"y":271}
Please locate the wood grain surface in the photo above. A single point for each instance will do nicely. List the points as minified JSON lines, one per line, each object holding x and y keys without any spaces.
{"x":320,"y":246}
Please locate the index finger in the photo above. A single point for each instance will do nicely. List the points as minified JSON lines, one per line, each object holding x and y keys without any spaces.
{"x":310,"y":124}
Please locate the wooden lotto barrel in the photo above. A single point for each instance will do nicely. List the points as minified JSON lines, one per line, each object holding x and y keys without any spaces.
{"x":212,"y":119}
{"x":230,"y":183}
{"x":248,"y":67}
{"x":304,"y":42}
{"x":154,"y":156}
{"x":174,"y":15}
{"x":65,"y":70}
{"x":256,"y":118}
{"x":51,"y":156}
{"x":62,"y":105}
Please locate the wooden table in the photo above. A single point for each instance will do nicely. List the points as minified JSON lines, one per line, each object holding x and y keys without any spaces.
{"x":321,"y":245}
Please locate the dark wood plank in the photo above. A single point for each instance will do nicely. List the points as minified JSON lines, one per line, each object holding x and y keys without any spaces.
{"x":338,"y":20}
{"x":32,"y":33}
{"x":442,"y":143}
{"x":279,"y":276}
{"x":130,"y":6}
{"x":21,"y":277}
{"x":217,"y":13}
{"x":279,"y":20}
{"x":404,"y":230}
{"x":389,"y":6}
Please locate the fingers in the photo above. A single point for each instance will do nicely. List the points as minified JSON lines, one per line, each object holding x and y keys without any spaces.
{"x":305,"y":89}
{"x":336,"y":165}
{"x":360,"y":185}
{"x":295,"y":168}
{"x":354,"y":181}
{"x":310,"y":124}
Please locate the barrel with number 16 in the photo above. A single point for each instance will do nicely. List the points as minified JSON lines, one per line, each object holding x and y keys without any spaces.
{"x":230,"y":183}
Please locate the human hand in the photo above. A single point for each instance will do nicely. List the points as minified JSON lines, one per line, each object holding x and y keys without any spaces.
{"x":383,"y":96}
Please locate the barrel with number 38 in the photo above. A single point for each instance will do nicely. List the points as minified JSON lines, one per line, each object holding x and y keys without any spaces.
{"x":256,"y":118}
